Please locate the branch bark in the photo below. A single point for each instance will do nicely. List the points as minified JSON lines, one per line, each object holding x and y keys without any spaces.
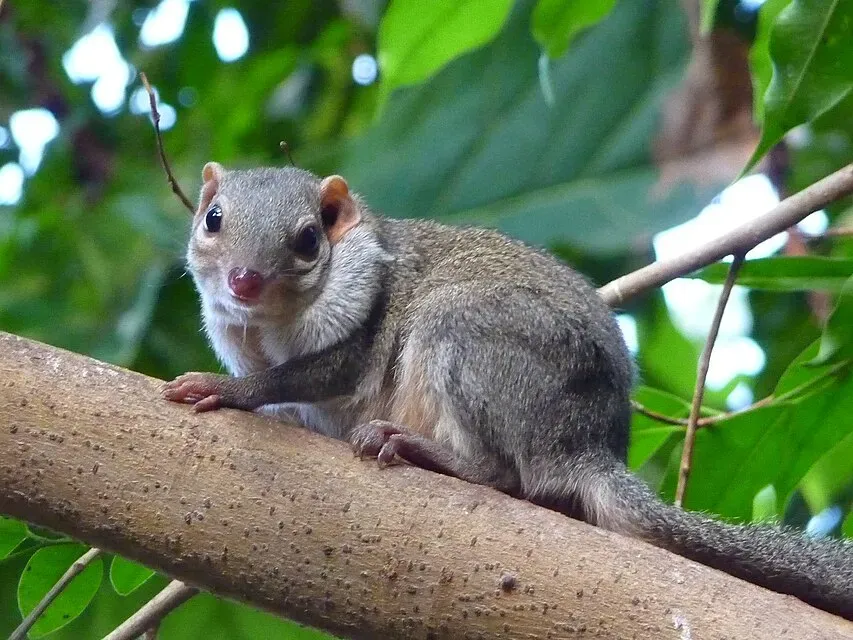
{"x":290,"y":521}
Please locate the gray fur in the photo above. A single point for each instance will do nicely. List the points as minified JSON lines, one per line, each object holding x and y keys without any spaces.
{"x":509,"y":368}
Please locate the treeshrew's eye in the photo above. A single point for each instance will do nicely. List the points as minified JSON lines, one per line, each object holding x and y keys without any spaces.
{"x":307,"y":242}
{"x":213,"y":219}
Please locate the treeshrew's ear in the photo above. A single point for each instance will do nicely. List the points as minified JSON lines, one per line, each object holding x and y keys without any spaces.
{"x":339,"y":211}
{"x":211,"y":174}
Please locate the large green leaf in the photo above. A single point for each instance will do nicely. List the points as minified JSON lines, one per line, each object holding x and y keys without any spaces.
{"x":43,"y":570}
{"x":836,"y":343}
{"x":479,"y":144}
{"x":12,"y":533}
{"x":760,"y":61}
{"x":811,"y":46}
{"x":127,"y":576}
{"x":204,"y":617}
{"x":776,"y":444}
{"x":416,"y":39}
{"x":802,"y":376}
{"x":829,"y":477}
{"x":801,"y":273}
{"x":557,"y":22}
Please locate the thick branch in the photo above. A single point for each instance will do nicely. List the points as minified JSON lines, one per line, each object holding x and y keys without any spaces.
{"x":292,"y":522}
{"x":740,"y":240}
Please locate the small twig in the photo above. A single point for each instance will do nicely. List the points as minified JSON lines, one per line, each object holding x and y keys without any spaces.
{"x":152,"y":612}
{"x":767,"y":400}
{"x":707,"y":421}
{"x":285,"y":148}
{"x":655,"y":415}
{"x":740,"y":240}
{"x":155,"y":117}
{"x":835,"y":232}
{"x":73,"y":571}
{"x":698,"y":394}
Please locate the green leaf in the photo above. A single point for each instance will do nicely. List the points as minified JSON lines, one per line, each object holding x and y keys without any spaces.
{"x":847,"y":527}
{"x":764,"y":505}
{"x":12,"y":533}
{"x":759,"y":54}
{"x":205,"y":616}
{"x":829,"y":477}
{"x":811,"y":46}
{"x":44,"y":569}
{"x":776,"y":444}
{"x":127,"y":576}
{"x":836,"y":343}
{"x":497,"y":155}
{"x":557,"y":22}
{"x":800,"y":377}
{"x":649,"y":435}
{"x":43,"y":534}
{"x":416,"y":39}
{"x":801,"y":273}
{"x":709,"y":12}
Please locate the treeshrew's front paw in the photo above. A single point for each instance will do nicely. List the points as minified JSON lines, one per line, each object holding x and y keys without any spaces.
{"x":204,"y":390}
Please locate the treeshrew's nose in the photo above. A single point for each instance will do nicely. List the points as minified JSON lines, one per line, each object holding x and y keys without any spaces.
{"x":245,"y":283}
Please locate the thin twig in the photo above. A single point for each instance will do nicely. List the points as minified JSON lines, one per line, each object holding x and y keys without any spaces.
{"x":155,"y":117}
{"x":285,"y":148}
{"x":834,"y":232}
{"x":152,"y":612}
{"x":698,"y":394}
{"x":706,"y":421}
{"x":655,"y":415}
{"x":740,"y":240}
{"x":73,"y":571}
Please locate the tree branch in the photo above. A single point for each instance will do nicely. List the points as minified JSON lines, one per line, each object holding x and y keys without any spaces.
{"x":740,"y":240}
{"x":73,"y":571}
{"x":701,"y":376}
{"x":152,"y":612}
{"x":290,"y":521}
{"x":155,"y":118}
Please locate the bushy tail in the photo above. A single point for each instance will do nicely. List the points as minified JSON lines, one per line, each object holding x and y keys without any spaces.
{"x":818,"y":571}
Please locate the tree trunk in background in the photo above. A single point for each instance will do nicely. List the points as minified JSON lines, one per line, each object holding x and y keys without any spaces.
{"x":290,"y":521}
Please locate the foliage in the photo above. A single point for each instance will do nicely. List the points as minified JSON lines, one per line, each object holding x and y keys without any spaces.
{"x":417,"y":39}
{"x":810,"y":45}
{"x":556,"y":23}
{"x":466,"y":125}
{"x":803,"y":273}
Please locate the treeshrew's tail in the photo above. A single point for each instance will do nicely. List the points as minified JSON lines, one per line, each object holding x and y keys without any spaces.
{"x":818,"y":571}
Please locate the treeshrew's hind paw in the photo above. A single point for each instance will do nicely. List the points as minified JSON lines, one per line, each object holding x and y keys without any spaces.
{"x":370,"y":438}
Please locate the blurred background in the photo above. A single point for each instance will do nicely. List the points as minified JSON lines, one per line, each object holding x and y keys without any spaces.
{"x":612,"y":150}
